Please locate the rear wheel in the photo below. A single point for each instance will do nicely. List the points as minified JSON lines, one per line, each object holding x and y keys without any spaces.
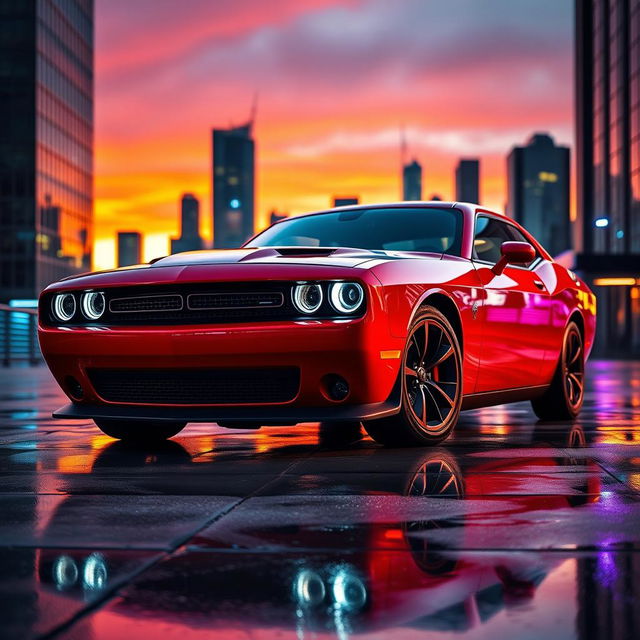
{"x":431,"y":385}
{"x":563,"y":400}
{"x":139,"y":431}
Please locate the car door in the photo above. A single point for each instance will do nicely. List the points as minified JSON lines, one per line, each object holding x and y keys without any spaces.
{"x":515,"y":313}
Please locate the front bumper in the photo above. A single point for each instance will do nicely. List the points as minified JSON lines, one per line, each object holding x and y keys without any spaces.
{"x":272,"y":414}
{"x":355,"y":349}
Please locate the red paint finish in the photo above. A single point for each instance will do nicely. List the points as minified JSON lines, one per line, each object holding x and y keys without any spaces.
{"x":510,"y":325}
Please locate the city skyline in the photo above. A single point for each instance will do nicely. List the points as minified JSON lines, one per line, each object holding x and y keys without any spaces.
{"x":152,"y":144}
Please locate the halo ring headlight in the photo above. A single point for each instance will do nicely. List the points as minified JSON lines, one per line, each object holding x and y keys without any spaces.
{"x":346,"y":297}
{"x":307,"y":297}
{"x":93,"y":304}
{"x":64,"y":306}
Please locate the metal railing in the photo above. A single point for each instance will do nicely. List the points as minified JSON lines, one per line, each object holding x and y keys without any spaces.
{"x":18,"y":336}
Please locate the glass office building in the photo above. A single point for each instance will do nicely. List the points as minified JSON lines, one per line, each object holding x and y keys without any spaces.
{"x":608,"y":166}
{"x":233,"y":186}
{"x":538,"y":180}
{"x":46,"y":142}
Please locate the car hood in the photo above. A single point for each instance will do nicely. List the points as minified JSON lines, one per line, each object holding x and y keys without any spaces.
{"x":335,"y":256}
{"x":240,"y":264}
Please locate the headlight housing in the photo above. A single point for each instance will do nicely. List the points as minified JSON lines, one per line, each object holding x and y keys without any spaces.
{"x":346,"y":297}
{"x":63,"y":306}
{"x":307,"y":298}
{"x":93,"y":304}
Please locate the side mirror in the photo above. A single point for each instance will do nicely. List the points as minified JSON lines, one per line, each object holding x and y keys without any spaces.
{"x":514,"y":253}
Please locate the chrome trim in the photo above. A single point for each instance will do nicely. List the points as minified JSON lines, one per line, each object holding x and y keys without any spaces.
{"x":159,"y":295}
{"x":249,"y":293}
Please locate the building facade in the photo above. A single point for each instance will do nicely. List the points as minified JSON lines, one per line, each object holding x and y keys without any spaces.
{"x":608,"y":167}
{"x":189,"y":238}
{"x":468,"y":180}
{"x":46,"y":143}
{"x":233,"y":186}
{"x":412,"y":181}
{"x":129,"y":248}
{"x":539,"y":182}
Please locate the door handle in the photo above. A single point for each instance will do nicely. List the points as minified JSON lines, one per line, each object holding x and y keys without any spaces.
{"x":539,"y":284}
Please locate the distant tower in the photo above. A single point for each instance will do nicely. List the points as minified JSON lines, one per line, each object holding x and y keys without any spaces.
{"x":468,"y":180}
{"x":274,"y":217}
{"x":412,"y":181}
{"x":538,"y":186}
{"x":233,"y":185}
{"x":129,"y":248}
{"x":189,"y":239}
{"x":345,"y":201}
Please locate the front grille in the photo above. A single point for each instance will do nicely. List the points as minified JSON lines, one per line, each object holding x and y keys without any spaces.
{"x":234,"y":300}
{"x":196,"y":386}
{"x":141,"y":304}
{"x":192,"y":303}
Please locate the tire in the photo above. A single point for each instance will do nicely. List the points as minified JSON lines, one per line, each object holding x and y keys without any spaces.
{"x":438,"y":475}
{"x":431,"y":373}
{"x":563,"y":399}
{"x":139,"y":431}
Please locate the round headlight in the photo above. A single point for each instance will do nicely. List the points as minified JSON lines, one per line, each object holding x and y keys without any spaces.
{"x":346,"y":297}
{"x":65,"y":572}
{"x":308,"y":588}
{"x":93,"y":304}
{"x":349,"y":591}
{"x":64,"y":306}
{"x":307,"y":298}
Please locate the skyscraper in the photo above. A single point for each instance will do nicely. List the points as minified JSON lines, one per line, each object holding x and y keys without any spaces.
{"x":538,"y":176}
{"x":189,"y":238}
{"x":412,"y":181}
{"x":233,"y":186}
{"x":274,"y":217}
{"x":129,"y":248}
{"x":46,"y":143}
{"x":344,"y":201}
{"x":468,"y":180}
{"x":608,"y":166}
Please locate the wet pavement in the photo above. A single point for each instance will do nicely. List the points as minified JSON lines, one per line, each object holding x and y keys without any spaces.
{"x":512,"y":529}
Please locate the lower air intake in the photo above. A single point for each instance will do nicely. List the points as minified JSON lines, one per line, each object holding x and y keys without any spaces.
{"x":196,"y":386}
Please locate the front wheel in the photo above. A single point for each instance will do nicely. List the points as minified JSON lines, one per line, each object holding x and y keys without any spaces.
{"x":139,"y":431}
{"x":431,"y":372}
{"x":563,"y":399}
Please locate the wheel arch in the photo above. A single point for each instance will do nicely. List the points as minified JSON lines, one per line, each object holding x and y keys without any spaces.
{"x":446,"y":305}
{"x":577,"y":317}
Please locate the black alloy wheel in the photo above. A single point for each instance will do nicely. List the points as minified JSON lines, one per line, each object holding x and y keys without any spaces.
{"x":431,"y":385}
{"x":564,"y":397}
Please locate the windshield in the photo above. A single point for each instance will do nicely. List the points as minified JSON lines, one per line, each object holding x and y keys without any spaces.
{"x":425,"y":229}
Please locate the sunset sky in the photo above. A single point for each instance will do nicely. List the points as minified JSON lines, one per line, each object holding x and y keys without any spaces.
{"x":336,"y":83}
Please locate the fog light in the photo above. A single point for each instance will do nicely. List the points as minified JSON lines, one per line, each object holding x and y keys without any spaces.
{"x":74,"y":388}
{"x":337,"y":387}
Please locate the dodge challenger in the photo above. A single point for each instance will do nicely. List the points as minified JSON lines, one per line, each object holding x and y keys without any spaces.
{"x":397,"y":316}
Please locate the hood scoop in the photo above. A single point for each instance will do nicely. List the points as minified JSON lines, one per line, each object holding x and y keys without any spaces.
{"x":302,"y":252}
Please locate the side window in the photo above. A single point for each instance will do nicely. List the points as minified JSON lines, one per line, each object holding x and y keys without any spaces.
{"x":489,"y":236}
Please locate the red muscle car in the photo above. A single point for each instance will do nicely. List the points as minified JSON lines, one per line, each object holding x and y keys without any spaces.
{"x":395,"y":315}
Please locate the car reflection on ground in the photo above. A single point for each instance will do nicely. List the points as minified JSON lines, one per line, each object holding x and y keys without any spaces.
{"x":298,"y":576}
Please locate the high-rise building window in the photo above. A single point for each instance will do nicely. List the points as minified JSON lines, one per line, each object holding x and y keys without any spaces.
{"x":46,"y":143}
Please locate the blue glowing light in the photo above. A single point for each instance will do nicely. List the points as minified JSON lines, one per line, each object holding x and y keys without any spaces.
{"x":619,"y":233}
{"x":23,"y":304}
{"x":601,"y":222}
{"x":235,"y":203}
